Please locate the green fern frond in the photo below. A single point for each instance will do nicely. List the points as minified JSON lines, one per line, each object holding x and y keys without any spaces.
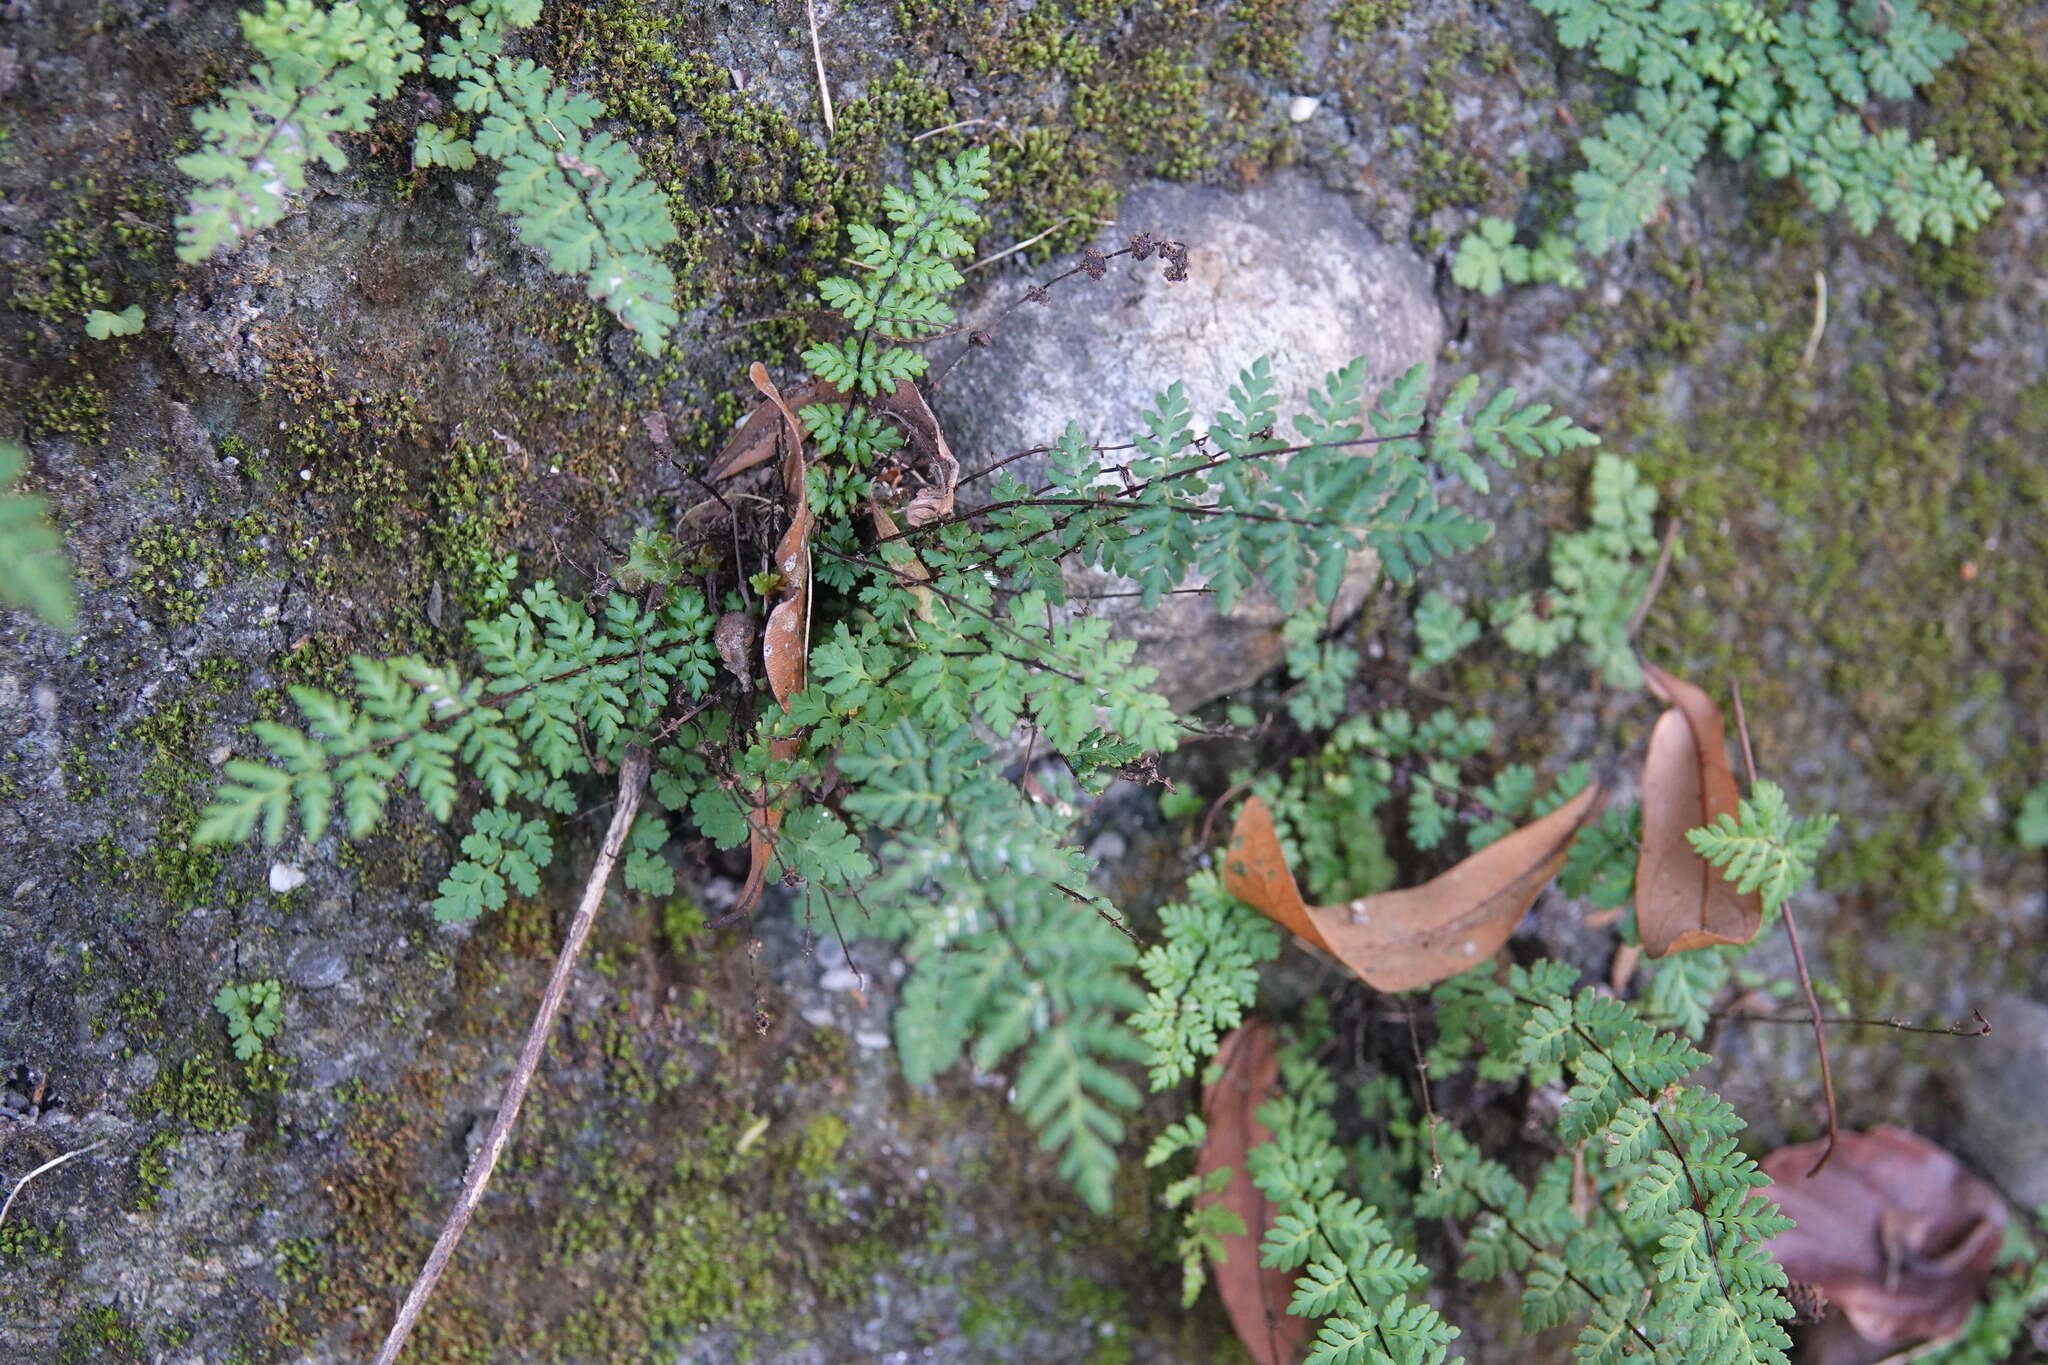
{"x":33,"y":573}
{"x":1762,"y":847}
{"x":319,"y":76}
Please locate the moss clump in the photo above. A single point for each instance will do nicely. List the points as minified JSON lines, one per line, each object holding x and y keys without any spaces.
{"x":1153,"y":111}
{"x":175,"y":562}
{"x":21,"y":1241}
{"x":99,"y":1335}
{"x":1884,"y":560}
{"x":1362,"y":20}
{"x":1264,"y":37}
{"x":153,"y":1170}
{"x":194,"y":1092}
{"x":79,"y":409}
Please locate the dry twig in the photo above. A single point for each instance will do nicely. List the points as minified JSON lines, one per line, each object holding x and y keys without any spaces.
{"x":632,"y":781}
{"x":1820,"y":1027}
{"x":52,"y":1164}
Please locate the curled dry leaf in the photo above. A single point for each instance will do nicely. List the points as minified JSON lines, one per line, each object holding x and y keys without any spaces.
{"x":1400,"y":940}
{"x":1893,"y":1231}
{"x":785,"y":643}
{"x":756,"y":439}
{"x":734,"y":639}
{"x":1255,"y":1297}
{"x":902,"y":559}
{"x":1682,"y":901}
{"x":928,"y":443}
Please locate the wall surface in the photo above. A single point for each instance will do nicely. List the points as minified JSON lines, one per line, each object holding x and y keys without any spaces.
{"x":315,"y":442}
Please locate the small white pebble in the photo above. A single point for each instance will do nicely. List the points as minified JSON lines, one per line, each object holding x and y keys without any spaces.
{"x":306,"y":476}
{"x":839,"y":979}
{"x":874,"y":1040}
{"x":1302,"y":108}
{"x":284,"y":877}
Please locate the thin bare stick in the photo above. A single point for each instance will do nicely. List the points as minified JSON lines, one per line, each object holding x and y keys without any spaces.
{"x":52,"y":1164}
{"x":1020,"y":246}
{"x":1979,"y":1027}
{"x":956,"y":126}
{"x":1649,"y":598}
{"x":1820,"y":1026}
{"x":632,"y":781}
{"x":1820,"y":321}
{"x":1436,"y":1162}
{"x":818,"y":57}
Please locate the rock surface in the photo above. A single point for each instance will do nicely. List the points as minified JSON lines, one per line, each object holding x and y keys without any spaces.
{"x":1286,"y":270}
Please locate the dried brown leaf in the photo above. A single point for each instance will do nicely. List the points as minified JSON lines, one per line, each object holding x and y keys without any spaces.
{"x":786,"y":641}
{"x":1256,"y":1298}
{"x":785,"y":644}
{"x":755,"y":440}
{"x":928,"y":443}
{"x":1256,"y":872}
{"x":1893,"y":1231}
{"x":1400,"y":940}
{"x":1683,"y":902}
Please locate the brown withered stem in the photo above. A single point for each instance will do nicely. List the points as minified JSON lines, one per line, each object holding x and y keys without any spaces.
{"x":632,"y":782}
{"x":1976,"y":1027}
{"x":1820,"y":1023}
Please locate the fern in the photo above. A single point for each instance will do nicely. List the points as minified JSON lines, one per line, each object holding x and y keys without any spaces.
{"x":319,"y":75}
{"x":1441,"y":629}
{"x":906,"y":272}
{"x":1353,"y":1274}
{"x":1762,"y":847}
{"x":33,"y":574}
{"x":1787,"y":88}
{"x":254,"y":1013}
{"x":1595,"y":578}
{"x":878,"y":793}
{"x":563,"y":690}
{"x":575,"y":194}
{"x":1203,"y":975}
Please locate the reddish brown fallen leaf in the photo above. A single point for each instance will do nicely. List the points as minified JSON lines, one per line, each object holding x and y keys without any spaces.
{"x":1893,"y":1231}
{"x":785,"y":644}
{"x":1399,"y":940}
{"x":1682,"y":902}
{"x":1256,"y":1298}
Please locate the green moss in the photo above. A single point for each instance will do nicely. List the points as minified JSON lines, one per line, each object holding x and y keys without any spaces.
{"x":153,"y":1170}
{"x":299,"y":1260}
{"x":22,"y":1241}
{"x":679,"y":921}
{"x":84,"y":780}
{"x":1152,"y":110}
{"x":194,"y":1091}
{"x":1990,"y":104}
{"x":817,"y":1154}
{"x":175,"y":561}
{"x":1264,"y":37}
{"x":99,"y":1335}
{"x":1362,"y":20}
{"x":79,"y":409}
{"x":1880,"y":531}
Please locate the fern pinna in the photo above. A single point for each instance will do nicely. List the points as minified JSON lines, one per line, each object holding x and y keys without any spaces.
{"x":1786,"y":87}
{"x":575,"y":194}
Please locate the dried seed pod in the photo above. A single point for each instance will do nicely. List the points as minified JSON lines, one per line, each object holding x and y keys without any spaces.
{"x":735,"y":637}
